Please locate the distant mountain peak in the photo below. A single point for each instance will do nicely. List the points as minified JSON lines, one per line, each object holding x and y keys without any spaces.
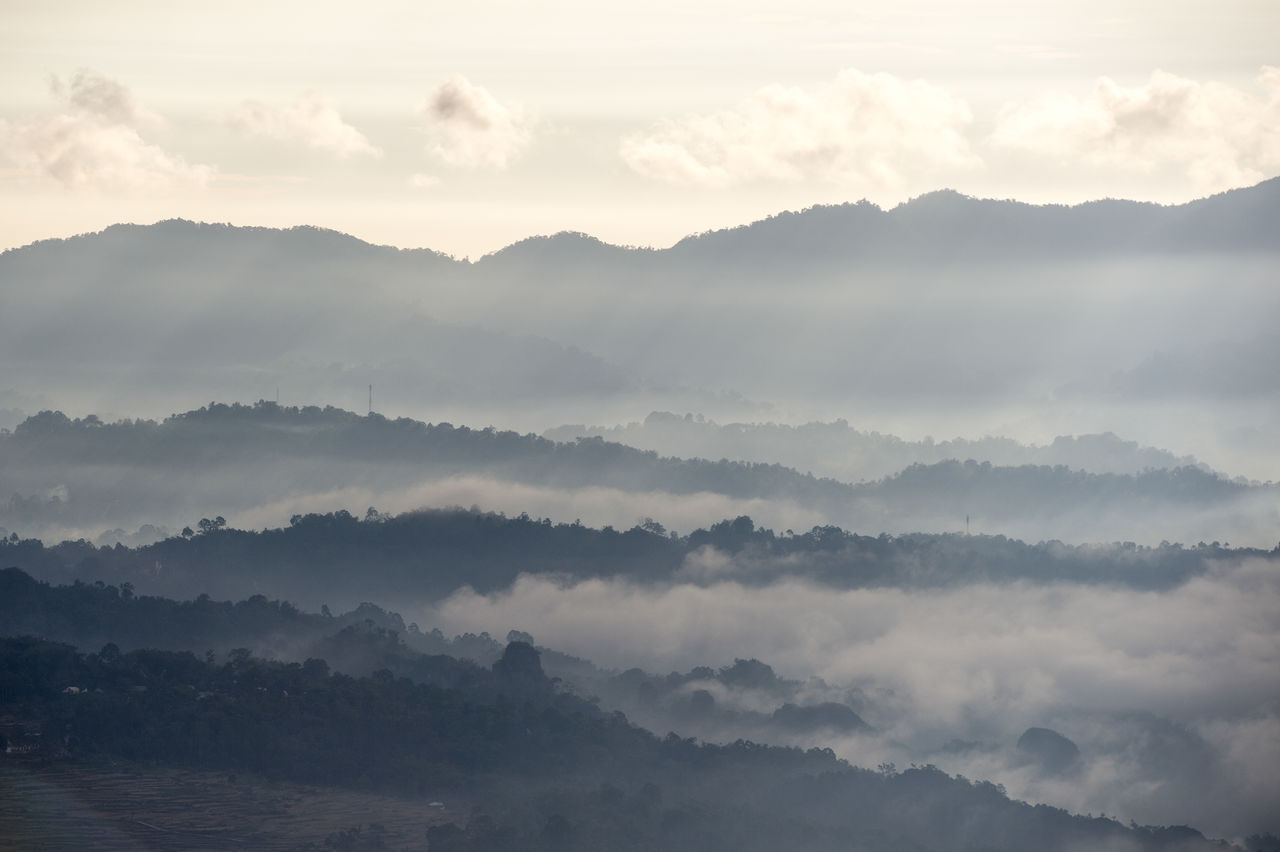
{"x":936,"y":225}
{"x":181,"y":235}
{"x":938,"y":195}
{"x":552,"y":248}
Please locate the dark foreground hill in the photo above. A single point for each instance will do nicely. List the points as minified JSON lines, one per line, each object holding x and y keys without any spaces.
{"x":549,"y":771}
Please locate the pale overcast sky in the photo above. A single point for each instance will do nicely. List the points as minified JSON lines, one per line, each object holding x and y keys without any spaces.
{"x":464,"y":127}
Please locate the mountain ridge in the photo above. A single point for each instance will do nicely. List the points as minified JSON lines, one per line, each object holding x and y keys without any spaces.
{"x":1179,"y":222}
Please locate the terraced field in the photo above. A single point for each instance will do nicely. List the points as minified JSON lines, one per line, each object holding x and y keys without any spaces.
{"x":73,"y":806}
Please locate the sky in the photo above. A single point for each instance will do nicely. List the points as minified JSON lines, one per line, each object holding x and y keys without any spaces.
{"x":465,"y":127}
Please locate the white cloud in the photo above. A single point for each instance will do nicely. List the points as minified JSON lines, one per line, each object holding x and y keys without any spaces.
{"x":1109,"y":667}
{"x":995,"y":653}
{"x":470,"y":128}
{"x":1222,"y":136}
{"x":95,"y":141}
{"x":312,"y":120}
{"x":869,"y":129}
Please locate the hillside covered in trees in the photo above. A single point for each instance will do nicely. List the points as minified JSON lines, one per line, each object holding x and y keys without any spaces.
{"x":582,"y":778}
{"x":427,"y":555}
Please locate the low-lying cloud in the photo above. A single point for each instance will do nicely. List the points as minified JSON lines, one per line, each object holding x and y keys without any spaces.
{"x":593,"y":506}
{"x":866,"y":129}
{"x":1166,"y":693}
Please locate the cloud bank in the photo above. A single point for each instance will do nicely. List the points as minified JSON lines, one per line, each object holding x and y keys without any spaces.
{"x":871,"y":129}
{"x":1168,"y":694}
{"x":313,"y":120}
{"x":881,"y":132}
{"x":470,"y":128}
{"x":95,"y":141}
{"x":1220,"y":135}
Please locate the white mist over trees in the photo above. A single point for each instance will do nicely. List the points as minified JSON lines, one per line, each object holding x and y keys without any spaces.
{"x":964,"y":485}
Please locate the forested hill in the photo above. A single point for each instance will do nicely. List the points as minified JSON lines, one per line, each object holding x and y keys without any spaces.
{"x":296,"y":444}
{"x":341,"y":560}
{"x":220,"y":434}
{"x":370,"y":639}
{"x":946,"y":225}
{"x":359,"y":641}
{"x":554,"y":773}
{"x":934,"y":226}
{"x":358,"y":708}
{"x":232,"y":458}
{"x":224,"y":459}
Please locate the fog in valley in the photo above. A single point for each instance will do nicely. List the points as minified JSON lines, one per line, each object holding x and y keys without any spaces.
{"x":683,"y":427}
{"x":963,"y":484}
{"x":1169,"y":695}
{"x":1151,"y":669}
{"x":259,"y":465}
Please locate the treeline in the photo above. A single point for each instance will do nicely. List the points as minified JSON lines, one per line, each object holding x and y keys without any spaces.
{"x":360,"y":641}
{"x":552,"y":772}
{"x":366,"y":638}
{"x":336,"y":558}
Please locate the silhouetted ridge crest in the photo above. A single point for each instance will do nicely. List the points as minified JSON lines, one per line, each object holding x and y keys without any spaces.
{"x":179,"y":238}
{"x":821,"y":227}
{"x":948,"y":224}
{"x":564,"y":246}
{"x":937,"y":224}
{"x":261,"y":441}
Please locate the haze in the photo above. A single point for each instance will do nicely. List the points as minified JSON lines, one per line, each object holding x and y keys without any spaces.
{"x":899,"y":382}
